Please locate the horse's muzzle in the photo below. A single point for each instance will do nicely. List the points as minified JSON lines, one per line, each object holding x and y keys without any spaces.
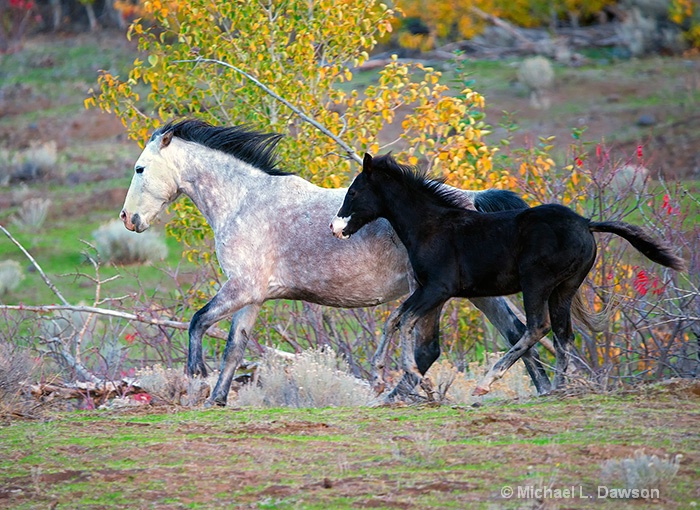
{"x":132,"y":222}
{"x":338,"y":226}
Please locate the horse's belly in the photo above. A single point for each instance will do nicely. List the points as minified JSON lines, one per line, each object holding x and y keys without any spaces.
{"x":341,"y":292}
{"x":368,"y":269}
{"x":482,"y":291}
{"x":490,"y":281}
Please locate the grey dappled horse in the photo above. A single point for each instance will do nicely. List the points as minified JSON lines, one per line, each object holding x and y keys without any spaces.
{"x":272,"y":241}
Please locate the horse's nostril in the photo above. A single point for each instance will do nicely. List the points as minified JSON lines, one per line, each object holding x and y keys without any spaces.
{"x":136,"y":221}
{"x":122,"y":215}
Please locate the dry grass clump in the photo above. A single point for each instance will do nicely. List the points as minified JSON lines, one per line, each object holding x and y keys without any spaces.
{"x":641,"y":471}
{"x":170,"y":386}
{"x":314,"y":378}
{"x":451,"y":385}
{"x":32,"y":214}
{"x":537,"y":74}
{"x":11,"y":275}
{"x":116,"y":244}
{"x":16,"y":371}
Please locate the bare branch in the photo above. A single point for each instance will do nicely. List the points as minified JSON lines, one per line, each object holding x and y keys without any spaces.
{"x":36,"y":265}
{"x":213,"y":332}
{"x":74,"y":363}
{"x":350,"y":152}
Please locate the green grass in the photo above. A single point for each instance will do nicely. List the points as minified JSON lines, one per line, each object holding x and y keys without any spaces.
{"x":418,"y":456}
{"x":72,"y":62}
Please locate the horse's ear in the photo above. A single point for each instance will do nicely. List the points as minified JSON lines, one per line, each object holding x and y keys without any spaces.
{"x":367,"y":163}
{"x":166,"y":139}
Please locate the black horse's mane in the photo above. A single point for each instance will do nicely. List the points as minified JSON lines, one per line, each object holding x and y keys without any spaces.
{"x":416,"y":178}
{"x":255,"y":148}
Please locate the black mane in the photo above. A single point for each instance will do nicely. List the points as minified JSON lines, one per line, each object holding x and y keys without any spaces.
{"x":255,"y":148}
{"x":418,"y":179}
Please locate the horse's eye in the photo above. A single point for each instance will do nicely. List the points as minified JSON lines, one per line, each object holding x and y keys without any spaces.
{"x":139,"y":169}
{"x":351,"y":192}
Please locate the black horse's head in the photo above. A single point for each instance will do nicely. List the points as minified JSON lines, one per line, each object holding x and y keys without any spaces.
{"x":361,"y":204}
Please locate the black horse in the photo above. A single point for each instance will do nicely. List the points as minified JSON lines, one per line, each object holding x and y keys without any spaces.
{"x":544,"y":252}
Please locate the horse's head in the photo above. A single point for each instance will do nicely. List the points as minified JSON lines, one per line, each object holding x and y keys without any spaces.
{"x":360,"y":206}
{"x":153,"y":186}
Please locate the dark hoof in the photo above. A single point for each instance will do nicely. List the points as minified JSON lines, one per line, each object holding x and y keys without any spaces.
{"x":388,"y":400}
{"x":209,"y":403}
{"x":396,"y":395}
{"x":544,"y":390}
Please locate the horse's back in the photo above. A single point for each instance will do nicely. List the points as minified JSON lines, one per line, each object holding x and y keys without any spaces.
{"x":309,"y":263}
{"x":553,"y":238}
{"x":552,"y":220}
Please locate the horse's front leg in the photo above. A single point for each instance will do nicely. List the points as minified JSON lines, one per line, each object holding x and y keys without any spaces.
{"x":421,"y":305}
{"x":242,"y":324}
{"x":379,"y":358}
{"x":218,"y":308}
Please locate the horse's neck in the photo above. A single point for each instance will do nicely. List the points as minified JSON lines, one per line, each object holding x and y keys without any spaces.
{"x":407,"y":214}
{"x":218,"y":184}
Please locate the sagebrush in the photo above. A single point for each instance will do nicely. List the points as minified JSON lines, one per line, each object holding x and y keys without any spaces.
{"x":314,"y":378}
{"x":11,"y":275}
{"x":642,"y":471}
{"x":455,"y":387}
{"x":32,"y":214}
{"x":120,"y":246}
{"x":170,"y":386}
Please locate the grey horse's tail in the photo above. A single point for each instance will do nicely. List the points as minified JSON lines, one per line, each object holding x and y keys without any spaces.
{"x":595,"y":321}
{"x":493,"y":200}
{"x":640,"y":239}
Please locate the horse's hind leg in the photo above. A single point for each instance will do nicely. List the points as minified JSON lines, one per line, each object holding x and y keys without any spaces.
{"x":426,"y":335}
{"x":502,"y":317}
{"x":242,"y":324}
{"x":537,"y":327}
{"x":427,"y":340}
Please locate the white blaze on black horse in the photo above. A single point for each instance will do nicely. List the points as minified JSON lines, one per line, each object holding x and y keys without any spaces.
{"x":544,"y":252}
{"x":271,"y":235}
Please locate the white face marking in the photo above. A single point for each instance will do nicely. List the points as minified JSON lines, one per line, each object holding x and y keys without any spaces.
{"x":338,"y":225}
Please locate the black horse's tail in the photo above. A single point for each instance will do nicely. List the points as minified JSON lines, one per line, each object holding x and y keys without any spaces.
{"x":640,"y":239}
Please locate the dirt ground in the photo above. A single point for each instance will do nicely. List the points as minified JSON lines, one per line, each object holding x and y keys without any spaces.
{"x":398,"y":457}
